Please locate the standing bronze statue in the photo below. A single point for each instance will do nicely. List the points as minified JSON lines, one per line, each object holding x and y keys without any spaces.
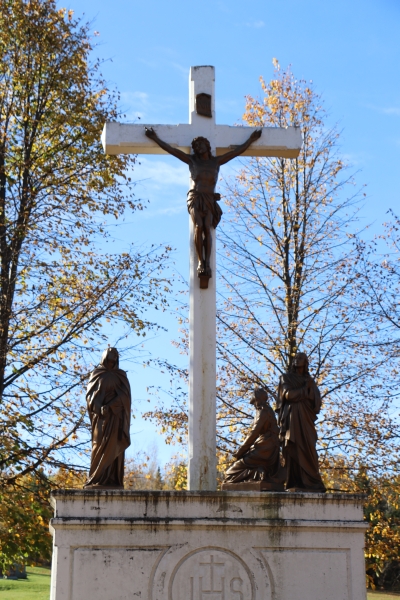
{"x":109,"y":406}
{"x":299,"y":402}
{"x":258,"y":456}
{"x":202,"y":199}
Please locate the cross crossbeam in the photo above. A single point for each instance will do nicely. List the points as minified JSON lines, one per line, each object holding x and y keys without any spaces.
{"x":120,"y":138}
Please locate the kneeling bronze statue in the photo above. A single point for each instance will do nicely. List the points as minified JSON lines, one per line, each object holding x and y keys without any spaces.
{"x":258,"y":457}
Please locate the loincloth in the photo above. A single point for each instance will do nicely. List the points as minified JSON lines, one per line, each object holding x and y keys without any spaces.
{"x":203,"y":203}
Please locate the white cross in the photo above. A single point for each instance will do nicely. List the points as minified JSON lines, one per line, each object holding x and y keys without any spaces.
{"x":118,"y":138}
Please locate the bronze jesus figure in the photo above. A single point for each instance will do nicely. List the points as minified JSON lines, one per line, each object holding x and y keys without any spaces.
{"x":202,"y":199}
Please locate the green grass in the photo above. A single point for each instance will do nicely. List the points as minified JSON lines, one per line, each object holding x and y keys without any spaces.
{"x":36,"y":587}
{"x":382,"y":596}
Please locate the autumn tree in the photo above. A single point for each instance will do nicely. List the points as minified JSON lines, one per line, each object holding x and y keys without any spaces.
{"x":24,"y":522}
{"x":378,"y":270}
{"x":379,"y":274}
{"x":289,"y":280}
{"x":294,"y":274}
{"x":25,"y":514}
{"x":61,"y":282}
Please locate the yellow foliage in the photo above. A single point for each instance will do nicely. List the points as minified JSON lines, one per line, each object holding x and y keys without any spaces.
{"x":295,"y":277}
{"x":58,"y":193}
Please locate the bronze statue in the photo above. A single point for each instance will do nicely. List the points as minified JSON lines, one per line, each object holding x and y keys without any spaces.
{"x":299,"y":402}
{"x":202,"y":199}
{"x":258,"y":457}
{"x":109,"y":406}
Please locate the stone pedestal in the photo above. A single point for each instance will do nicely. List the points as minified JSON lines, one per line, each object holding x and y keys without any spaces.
{"x":120,"y":545}
{"x":253,"y":486}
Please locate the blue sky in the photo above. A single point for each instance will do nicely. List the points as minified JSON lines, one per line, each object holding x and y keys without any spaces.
{"x":349,"y":49}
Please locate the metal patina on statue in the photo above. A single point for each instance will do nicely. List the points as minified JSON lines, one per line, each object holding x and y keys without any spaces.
{"x":299,"y":402}
{"x":202,"y":201}
{"x":109,"y":406}
{"x":258,"y":463}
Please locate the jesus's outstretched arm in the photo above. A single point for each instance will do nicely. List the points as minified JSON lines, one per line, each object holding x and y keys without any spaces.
{"x":149,"y":131}
{"x":239,"y":149}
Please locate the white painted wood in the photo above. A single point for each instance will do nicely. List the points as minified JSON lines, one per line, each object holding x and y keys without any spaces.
{"x":202,"y":467}
{"x":120,"y":138}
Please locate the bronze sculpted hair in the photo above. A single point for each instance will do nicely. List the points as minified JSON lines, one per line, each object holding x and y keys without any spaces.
{"x":200,"y":138}
{"x":305,"y":357}
{"x":261,"y":394}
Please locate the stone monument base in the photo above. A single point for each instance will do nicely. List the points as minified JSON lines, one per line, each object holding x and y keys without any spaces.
{"x":253,"y":486}
{"x":125,"y":545}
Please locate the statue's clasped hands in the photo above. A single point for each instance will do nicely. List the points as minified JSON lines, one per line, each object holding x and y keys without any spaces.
{"x":239,"y":453}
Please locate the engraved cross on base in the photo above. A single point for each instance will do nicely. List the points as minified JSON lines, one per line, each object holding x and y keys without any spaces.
{"x":221,"y":143}
{"x":216,"y":584}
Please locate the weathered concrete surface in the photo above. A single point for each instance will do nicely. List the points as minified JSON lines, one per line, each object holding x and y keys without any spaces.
{"x":120,"y":545}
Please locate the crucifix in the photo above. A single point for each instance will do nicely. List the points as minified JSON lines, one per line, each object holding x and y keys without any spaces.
{"x":215,"y":145}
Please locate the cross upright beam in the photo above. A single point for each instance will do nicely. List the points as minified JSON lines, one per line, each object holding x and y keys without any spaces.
{"x":202,"y":467}
{"x":118,"y":138}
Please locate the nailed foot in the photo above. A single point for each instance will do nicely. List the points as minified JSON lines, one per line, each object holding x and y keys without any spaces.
{"x":203,"y":271}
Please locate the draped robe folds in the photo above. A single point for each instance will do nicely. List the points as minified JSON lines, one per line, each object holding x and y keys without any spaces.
{"x":260,"y":450}
{"x":204,"y":202}
{"x":296,"y":420}
{"x":110,"y":433}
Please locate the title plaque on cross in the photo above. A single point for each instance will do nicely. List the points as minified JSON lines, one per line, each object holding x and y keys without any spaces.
{"x":224,"y":142}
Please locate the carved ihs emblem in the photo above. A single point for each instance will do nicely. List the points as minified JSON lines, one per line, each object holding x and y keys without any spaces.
{"x":216,"y":586}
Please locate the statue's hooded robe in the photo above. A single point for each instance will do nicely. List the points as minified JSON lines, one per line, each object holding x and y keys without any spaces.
{"x":110,"y":433}
{"x":297,"y":431}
